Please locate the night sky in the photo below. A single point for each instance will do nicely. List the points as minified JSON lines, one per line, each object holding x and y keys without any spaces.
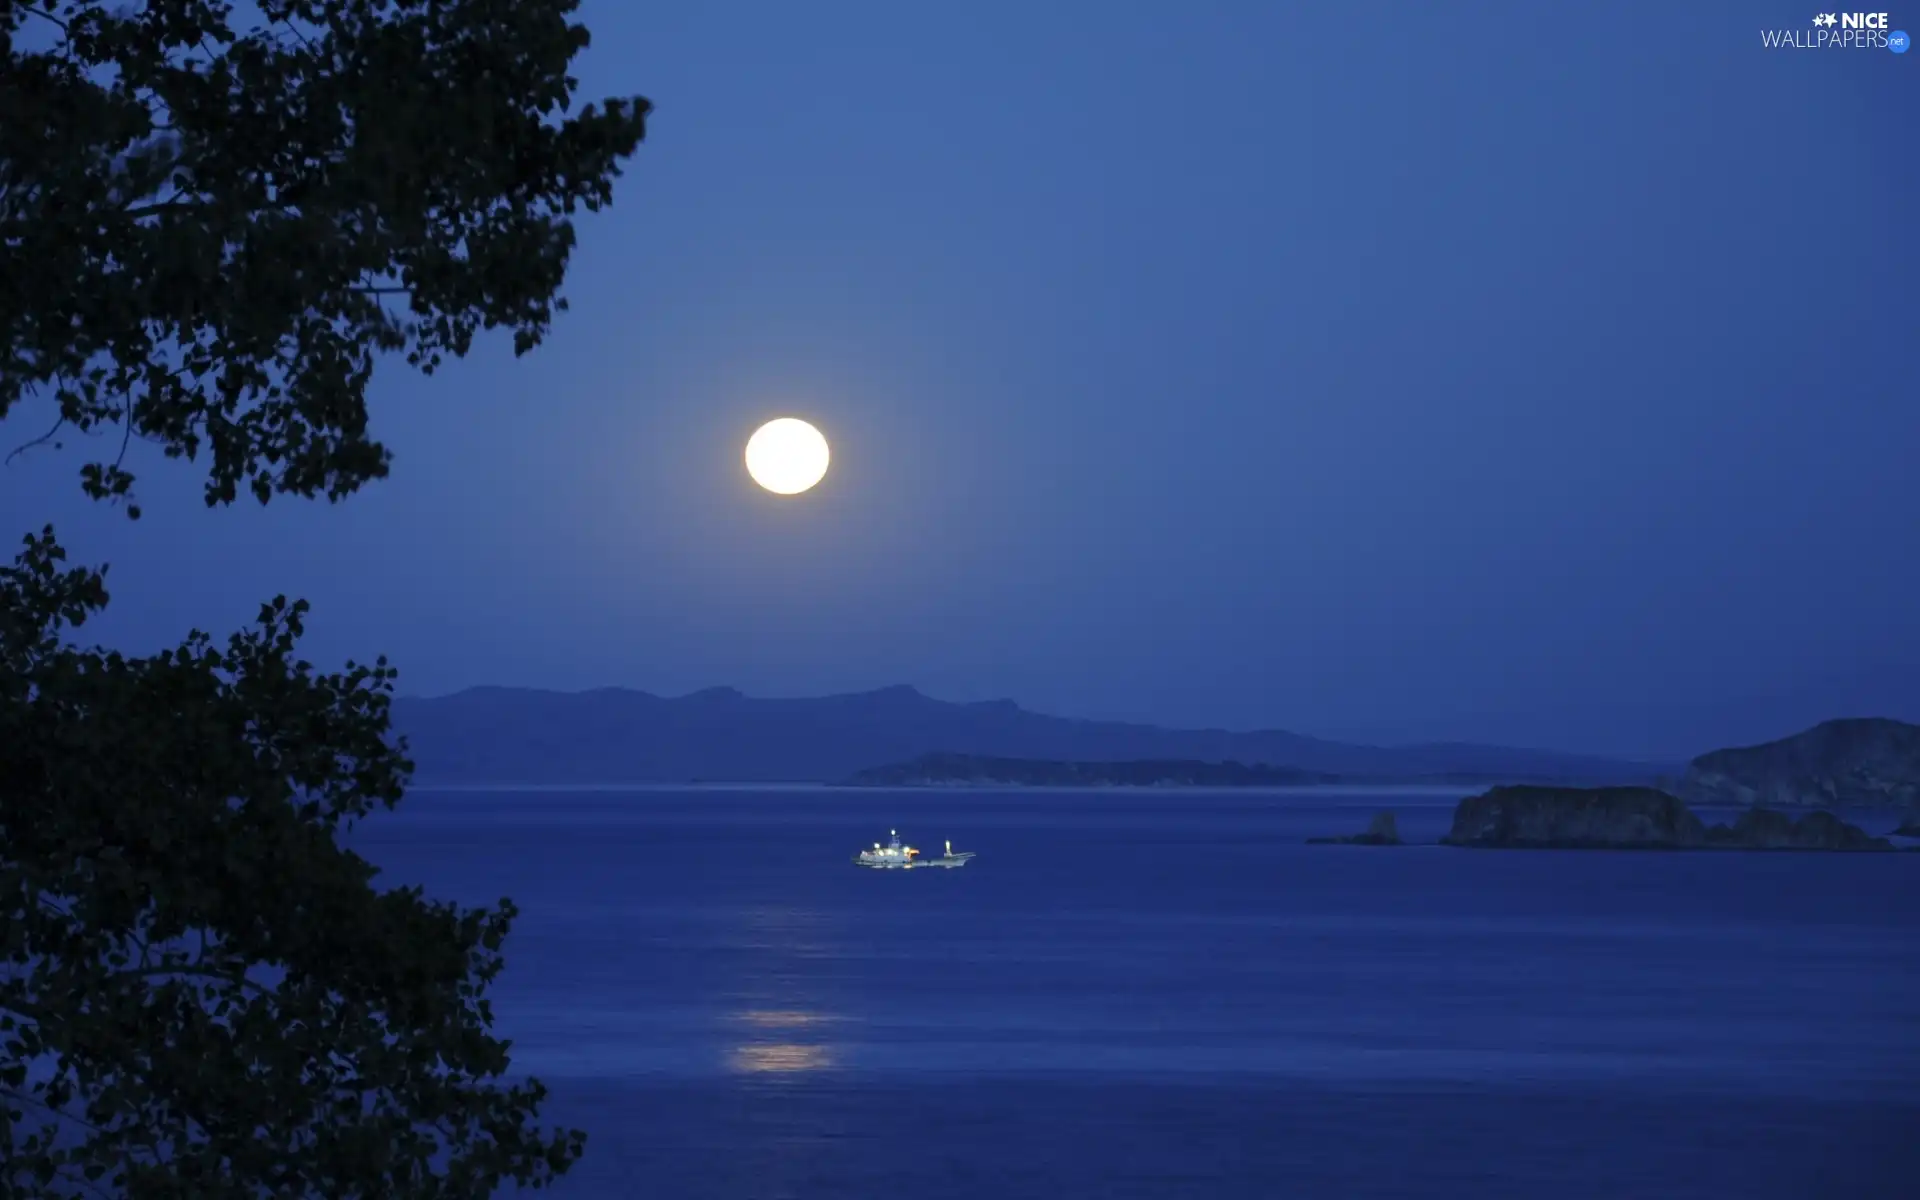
{"x":1538,"y":373}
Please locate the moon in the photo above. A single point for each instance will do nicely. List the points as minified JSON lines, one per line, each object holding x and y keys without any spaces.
{"x":787,"y":456}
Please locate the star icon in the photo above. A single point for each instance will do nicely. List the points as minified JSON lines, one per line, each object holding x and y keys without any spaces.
{"x":1826,"y":20}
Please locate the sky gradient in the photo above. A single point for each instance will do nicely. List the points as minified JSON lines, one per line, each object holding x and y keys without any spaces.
{"x":1508,"y":372}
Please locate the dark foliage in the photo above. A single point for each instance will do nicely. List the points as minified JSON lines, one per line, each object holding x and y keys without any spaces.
{"x":208,"y":236}
{"x":201,"y":992}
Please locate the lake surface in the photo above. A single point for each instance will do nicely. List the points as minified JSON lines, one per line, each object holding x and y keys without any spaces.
{"x":1167,"y":994}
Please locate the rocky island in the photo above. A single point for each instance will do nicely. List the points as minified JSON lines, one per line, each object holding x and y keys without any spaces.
{"x":1635,"y":818}
{"x":1383,"y":830}
{"x":1870,"y":762}
{"x":972,"y":770}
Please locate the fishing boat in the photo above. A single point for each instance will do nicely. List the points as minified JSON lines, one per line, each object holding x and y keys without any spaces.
{"x":896,"y":855}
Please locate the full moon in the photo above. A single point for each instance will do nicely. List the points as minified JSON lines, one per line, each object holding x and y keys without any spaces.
{"x":787,"y":456}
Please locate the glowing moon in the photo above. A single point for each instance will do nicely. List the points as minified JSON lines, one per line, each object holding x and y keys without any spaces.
{"x":787,"y":456}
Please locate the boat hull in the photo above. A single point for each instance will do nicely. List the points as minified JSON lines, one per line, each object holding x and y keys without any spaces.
{"x":947,"y":862}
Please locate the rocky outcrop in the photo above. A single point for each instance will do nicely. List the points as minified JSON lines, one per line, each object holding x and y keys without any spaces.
{"x":1575,"y":818}
{"x":1520,"y":818}
{"x":1764,"y":829}
{"x":1856,"y":763}
{"x":1383,"y":830}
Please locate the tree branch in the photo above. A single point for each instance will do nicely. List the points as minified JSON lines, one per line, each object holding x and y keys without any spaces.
{"x":187,"y":971}
{"x":42,"y":440}
{"x":43,"y":1106}
{"x":126,"y":429}
{"x":48,"y":17}
{"x":287,"y":24}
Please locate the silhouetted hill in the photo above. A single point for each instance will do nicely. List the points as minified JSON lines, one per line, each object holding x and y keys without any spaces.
{"x":1855,"y":762}
{"x":1635,"y":818}
{"x":947,"y":770}
{"x":514,"y":735}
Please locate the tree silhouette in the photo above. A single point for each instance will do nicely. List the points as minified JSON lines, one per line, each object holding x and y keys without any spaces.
{"x":209,"y":234}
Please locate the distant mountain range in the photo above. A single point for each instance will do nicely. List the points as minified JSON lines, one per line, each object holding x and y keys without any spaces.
{"x":494,"y":735}
{"x":973,"y":770}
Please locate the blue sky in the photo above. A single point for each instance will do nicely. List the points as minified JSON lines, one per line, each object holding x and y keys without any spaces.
{"x":1536,"y":373}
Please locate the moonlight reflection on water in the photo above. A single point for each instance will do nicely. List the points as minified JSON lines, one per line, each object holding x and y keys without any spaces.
{"x":780,"y":1057}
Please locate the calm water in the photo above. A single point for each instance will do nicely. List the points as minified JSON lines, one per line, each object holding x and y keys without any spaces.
{"x":1168,"y":995}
